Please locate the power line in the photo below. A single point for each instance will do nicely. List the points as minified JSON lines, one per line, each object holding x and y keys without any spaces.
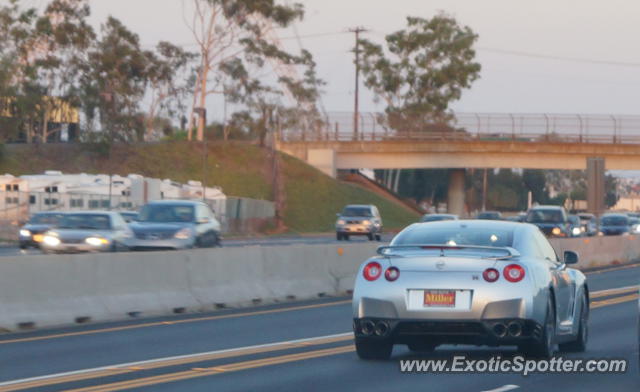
{"x":559,"y":58}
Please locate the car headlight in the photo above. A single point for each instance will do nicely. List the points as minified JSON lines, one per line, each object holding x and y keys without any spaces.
{"x":340,"y":222}
{"x":556,"y":231}
{"x":576,"y":231}
{"x":183,"y":234}
{"x":51,"y":240}
{"x":366,"y":222}
{"x":96,"y":241}
{"x":25,"y":233}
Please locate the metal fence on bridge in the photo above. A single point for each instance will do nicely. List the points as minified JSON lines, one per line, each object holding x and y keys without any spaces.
{"x":567,"y":128}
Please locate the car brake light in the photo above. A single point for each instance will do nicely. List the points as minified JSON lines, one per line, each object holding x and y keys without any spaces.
{"x":491,"y":275}
{"x":392,"y":274}
{"x":372,"y":271}
{"x":513,"y":273}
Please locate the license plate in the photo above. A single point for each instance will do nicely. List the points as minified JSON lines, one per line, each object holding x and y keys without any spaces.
{"x":440,"y":298}
{"x":38,"y":237}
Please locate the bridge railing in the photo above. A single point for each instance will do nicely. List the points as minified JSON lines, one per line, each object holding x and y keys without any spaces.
{"x":561,"y":128}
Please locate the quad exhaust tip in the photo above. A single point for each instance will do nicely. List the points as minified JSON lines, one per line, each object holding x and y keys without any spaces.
{"x":515,"y":329}
{"x":382,"y":328}
{"x":500,"y":330}
{"x":368,"y":327}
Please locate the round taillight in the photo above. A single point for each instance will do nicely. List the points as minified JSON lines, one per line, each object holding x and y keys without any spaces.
{"x":513,"y":273}
{"x":372,"y":271}
{"x":392,"y":274}
{"x":491,"y":275}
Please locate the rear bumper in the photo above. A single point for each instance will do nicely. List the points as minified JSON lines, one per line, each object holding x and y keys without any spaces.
{"x":495,"y":332}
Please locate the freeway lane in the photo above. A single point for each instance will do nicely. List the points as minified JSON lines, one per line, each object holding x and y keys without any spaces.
{"x":323,"y":366}
{"x":346,"y":372}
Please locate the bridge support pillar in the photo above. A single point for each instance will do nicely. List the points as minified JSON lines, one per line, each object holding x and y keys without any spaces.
{"x":455,"y":198}
{"x":323,"y":160}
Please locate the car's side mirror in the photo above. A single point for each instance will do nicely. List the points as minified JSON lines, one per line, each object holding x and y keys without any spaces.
{"x":570,"y":257}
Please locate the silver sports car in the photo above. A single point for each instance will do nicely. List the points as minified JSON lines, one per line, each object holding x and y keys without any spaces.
{"x":470,"y":282}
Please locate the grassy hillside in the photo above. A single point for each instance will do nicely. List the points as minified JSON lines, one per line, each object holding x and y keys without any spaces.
{"x":312,"y":198}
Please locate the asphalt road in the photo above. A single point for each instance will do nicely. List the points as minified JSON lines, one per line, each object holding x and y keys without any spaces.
{"x":260,"y":349}
{"x":236,"y":242}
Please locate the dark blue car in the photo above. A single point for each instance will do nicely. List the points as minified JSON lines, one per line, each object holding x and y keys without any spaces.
{"x":614,"y":224}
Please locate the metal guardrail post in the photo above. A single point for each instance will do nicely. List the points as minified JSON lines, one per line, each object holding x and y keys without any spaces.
{"x":546,"y":134}
{"x":513,"y":127}
{"x":580,"y":125}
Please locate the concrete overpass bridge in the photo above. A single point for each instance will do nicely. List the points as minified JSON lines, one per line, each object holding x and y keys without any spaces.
{"x":509,"y":141}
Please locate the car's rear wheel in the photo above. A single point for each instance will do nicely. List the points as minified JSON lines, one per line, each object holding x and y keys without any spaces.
{"x":580,"y":344}
{"x":375,"y":349}
{"x":423,"y":347}
{"x":370,"y":236}
{"x":543,"y":348}
{"x":378,"y":237}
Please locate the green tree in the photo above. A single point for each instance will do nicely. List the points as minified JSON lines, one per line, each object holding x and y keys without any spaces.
{"x":166,"y":75}
{"x":114,"y":83}
{"x":611,"y":191}
{"x":422,"y":70}
{"x":535,"y":182}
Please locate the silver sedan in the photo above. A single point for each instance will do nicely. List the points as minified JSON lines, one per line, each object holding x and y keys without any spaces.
{"x":470,"y":282}
{"x":88,"y":231}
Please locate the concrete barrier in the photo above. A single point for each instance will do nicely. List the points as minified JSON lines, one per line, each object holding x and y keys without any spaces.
{"x":54,"y":290}
{"x":600,"y":251}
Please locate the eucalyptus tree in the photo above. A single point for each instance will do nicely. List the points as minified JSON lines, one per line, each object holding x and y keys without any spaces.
{"x":420,"y":71}
{"x":237,"y":36}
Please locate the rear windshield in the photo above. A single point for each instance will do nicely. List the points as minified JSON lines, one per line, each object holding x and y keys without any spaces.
{"x":574,"y":219}
{"x":85,"y":222}
{"x":461,"y":235}
{"x":544,"y":216}
{"x":615,"y":221}
{"x":356,"y":211}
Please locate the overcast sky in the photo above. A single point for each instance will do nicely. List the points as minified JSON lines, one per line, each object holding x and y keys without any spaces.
{"x":599,"y":31}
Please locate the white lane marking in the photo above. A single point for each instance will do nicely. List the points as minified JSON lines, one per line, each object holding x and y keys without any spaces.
{"x":504,"y":388}
{"x":130,"y":364}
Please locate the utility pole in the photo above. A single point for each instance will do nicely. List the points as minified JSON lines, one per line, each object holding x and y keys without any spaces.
{"x":484,"y":191}
{"x":356,"y":115}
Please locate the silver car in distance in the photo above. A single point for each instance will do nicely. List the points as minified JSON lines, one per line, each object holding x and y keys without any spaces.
{"x":88,"y":231}
{"x":470,"y":282}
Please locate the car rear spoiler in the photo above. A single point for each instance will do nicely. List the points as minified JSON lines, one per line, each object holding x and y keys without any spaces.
{"x":382,"y":250}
